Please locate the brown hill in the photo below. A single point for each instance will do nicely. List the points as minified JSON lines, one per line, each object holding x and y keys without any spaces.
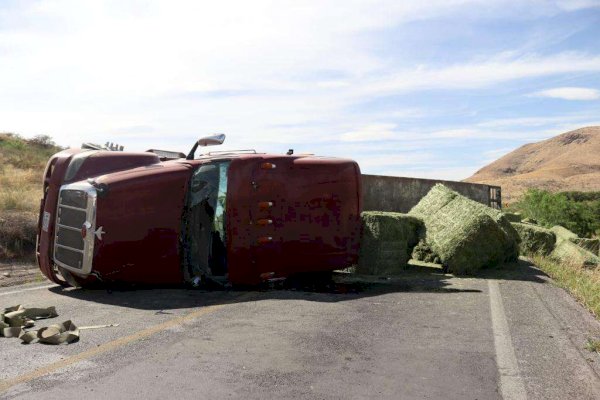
{"x":570,"y":161}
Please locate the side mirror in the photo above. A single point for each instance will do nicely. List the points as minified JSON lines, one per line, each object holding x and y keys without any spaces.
{"x":213,"y":140}
{"x":206,"y":141}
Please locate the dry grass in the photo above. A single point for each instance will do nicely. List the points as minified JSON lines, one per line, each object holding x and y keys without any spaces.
{"x":21,"y":189}
{"x":22,"y":164}
{"x":583,"y":283}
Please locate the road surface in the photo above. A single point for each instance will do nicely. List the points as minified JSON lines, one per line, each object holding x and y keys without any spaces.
{"x":425,"y":335}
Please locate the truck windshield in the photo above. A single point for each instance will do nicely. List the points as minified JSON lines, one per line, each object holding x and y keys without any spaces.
{"x":205,"y":235}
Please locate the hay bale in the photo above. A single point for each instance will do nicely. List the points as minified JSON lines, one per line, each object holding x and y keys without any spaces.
{"x":513,"y":217}
{"x":563,"y":233}
{"x":423,"y":252}
{"x":535,"y":240}
{"x":466,"y":235}
{"x":387,"y":241}
{"x":567,"y":252}
{"x":591,"y":245}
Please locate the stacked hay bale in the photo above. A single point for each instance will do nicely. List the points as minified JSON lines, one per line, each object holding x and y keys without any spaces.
{"x":466,"y":235}
{"x":513,"y":217}
{"x":535,"y":240}
{"x":568,"y":250}
{"x":387,"y":241}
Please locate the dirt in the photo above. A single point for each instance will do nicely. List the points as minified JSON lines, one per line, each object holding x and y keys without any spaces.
{"x":565,"y":162}
{"x":16,"y":273}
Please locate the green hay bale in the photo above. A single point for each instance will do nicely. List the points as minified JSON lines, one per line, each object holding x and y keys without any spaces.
{"x":591,"y":245}
{"x":567,"y":252}
{"x":563,"y":233}
{"x":437,"y":198}
{"x":423,"y":252}
{"x":466,"y":235}
{"x":535,"y":240}
{"x":513,"y":217}
{"x":387,"y":241}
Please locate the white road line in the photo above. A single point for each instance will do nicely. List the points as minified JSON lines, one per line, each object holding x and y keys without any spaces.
{"x":511,"y":383}
{"x":27,"y":290}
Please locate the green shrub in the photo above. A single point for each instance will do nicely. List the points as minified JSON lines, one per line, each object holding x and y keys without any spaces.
{"x":576,"y":211}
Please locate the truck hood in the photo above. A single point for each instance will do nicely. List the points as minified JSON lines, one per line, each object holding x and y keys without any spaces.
{"x":138,"y":218}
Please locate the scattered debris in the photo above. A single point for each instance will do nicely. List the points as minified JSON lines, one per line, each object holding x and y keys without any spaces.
{"x":82,"y":328}
{"x":67,"y":332}
{"x":15,"y":320}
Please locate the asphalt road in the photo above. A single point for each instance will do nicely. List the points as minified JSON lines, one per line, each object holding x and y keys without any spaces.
{"x":423,"y":335}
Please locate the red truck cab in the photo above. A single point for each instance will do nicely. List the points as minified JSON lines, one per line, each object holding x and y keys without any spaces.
{"x":239,"y":217}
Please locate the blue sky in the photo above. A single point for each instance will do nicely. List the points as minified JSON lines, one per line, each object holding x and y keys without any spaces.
{"x":413,"y":88}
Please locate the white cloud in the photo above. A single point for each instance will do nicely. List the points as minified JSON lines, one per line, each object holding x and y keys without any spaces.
{"x":569,"y":93}
{"x":573,"y":5}
{"x":270,"y":74}
{"x":473,"y":75}
{"x":373,"y":132}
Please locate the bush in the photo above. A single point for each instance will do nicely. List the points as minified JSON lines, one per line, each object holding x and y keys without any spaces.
{"x":17,"y":234}
{"x":42,"y":141}
{"x":572,"y":210}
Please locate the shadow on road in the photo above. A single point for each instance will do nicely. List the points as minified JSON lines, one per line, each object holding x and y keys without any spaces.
{"x":416,"y":278}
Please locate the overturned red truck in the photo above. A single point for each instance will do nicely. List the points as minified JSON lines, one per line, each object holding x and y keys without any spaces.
{"x":156,"y":217}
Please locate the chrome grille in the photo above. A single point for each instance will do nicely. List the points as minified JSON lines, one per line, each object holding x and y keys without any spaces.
{"x":75,"y":226}
{"x":74,"y":198}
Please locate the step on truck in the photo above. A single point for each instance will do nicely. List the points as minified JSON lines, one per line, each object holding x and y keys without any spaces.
{"x":159,"y":217}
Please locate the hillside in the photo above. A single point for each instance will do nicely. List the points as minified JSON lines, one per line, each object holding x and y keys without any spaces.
{"x":22,"y":163}
{"x":567,"y":162}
